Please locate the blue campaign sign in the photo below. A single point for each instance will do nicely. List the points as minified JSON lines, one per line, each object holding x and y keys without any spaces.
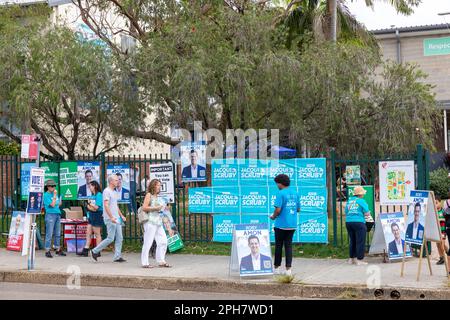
{"x":224,"y":172}
{"x":256,"y":219}
{"x":313,"y":200}
{"x":287,"y":167}
{"x":25,"y":174}
{"x":201,"y":200}
{"x":311,"y":172}
{"x":226,"y":200}
{"x":313,"y":228}
{"x":254,"y":200}
{"x":273,"y":192}
{"x":253,"y":172}
{"x":223,"y":227}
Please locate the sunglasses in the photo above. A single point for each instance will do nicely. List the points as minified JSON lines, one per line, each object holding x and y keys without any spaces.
{"x":52,"y":186}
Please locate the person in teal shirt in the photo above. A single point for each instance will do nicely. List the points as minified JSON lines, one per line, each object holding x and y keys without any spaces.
{"x":287,"y":205}
{"x":52,"y":219}
{"x":355,"y":222}
{"x":95,"y":216}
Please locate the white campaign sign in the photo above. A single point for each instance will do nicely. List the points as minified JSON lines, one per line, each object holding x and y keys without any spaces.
{"x":396,"y":182}
{"x":164,"y":173}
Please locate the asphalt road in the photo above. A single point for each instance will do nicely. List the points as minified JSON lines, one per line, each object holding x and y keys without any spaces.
{"x":19,"y":291}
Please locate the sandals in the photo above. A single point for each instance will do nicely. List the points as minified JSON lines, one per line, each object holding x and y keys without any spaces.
{"x":165,"y":265}
{"x":148,"y":267}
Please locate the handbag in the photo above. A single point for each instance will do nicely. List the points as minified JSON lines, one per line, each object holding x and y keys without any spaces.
{"x":142,"y":215}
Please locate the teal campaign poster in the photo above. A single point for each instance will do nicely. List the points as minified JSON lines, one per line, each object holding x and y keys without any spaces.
{"x":25,"y":174}
{"x":200,"y":200}
{"x":253,"y":172}
{"x":273,"y":192}
{"x":287,"y":167}
{"x":254,"y":200}
{"x":313,"y":200}
{"x":311,"y":172}
{"x":255,"y":219}
{"x":224,"y":172}
{"x":313,"y":228}
{"x":226,"y":200}
{"x":223,"y":227}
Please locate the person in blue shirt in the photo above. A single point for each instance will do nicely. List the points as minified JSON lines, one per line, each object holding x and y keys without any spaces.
{"x":287,"y":205}
{"x":95,"y":217}
{"x":52,"y":219}
{"x":355,"y":222}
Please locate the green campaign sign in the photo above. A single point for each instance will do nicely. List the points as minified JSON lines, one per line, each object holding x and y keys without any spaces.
{"x":51,"y":172}
{"x":369,"y":197}
{"x":68,"y":182}
{"x":436,"y":46}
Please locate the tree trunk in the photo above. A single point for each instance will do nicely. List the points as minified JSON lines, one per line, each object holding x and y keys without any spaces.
{"x":332,"y":13}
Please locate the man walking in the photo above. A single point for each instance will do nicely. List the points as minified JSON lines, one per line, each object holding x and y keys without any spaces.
{"x":112,"y":217}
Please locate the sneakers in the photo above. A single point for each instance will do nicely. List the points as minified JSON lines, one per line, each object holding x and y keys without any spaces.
{"x":120,"y":260}
{"x":441,"y":261}
{"x":361,"y":263}
{"x":60,"y":253}
{"x":94,"y":256}
{"x":85,"y":253}
{"x":351,"y":261}
{"x":276,"y":271}
{"x":288,"y":272}
{"x":48,"y":254}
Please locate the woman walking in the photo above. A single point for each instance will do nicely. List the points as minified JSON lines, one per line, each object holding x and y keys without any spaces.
{"x":95,"y":217}
{"x":355,"y":212}
{"x":153,"y":228}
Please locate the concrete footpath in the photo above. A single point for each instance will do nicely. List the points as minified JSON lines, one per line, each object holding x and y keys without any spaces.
{"x":314,"y":278}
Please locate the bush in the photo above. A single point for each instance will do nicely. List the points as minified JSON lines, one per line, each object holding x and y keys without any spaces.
{"x":439,"y":182}
{"x":10,"y":148}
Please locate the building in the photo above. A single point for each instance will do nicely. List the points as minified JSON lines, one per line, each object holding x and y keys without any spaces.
{"x":429,"y":47}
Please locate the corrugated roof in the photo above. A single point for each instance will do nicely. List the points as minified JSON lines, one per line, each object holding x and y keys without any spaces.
{"x":429,"y":27}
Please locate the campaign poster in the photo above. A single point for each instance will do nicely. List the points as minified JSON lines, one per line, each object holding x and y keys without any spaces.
{"x":311,"y":172}
{"x":313,"y":228}
{"x":223,"y":225}
{"x":253,"y":172}
{"x":224,"y":172}
{"x":193,"y":161}
{"x":200,"y":200}
{"x":353,"y":175}
{"x":396,"y":182}
{"x":369,"y":197}
{"x":252,"y":243}
{"x":123,"y":174}
{"x":287,"y":167}
{"x":36,"y":194}
{"x":51,"y":172}
{"x":415,"y":225}
{"x":164,"y":173}
{"x":29,"y":147}
{"x":16,"y":231}
{"x":255,"y":219}
{"x":86,"y":172}
{"x":393,"y":225}
{"x":174,"y":241}
{"x":313,"y":200}
{"x":226,"y":200}
{"x":25,"y":176}
{"x":254,"y":200}
{"x":68,"y":180}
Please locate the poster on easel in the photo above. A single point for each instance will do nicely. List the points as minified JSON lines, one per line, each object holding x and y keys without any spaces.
{"x":250,"y":250}
{"x":396,"y":181}
{"x":416,"y":217}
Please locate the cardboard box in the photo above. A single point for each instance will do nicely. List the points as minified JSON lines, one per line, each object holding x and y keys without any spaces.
{"x":73,"y":214}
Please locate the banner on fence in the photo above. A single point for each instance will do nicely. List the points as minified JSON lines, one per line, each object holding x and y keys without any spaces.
{"x":16,"y":231}
{"x":396,"y":182}
{"x":51,"y":172}
{"x":123,"y":187}
{"x":36,"y":188}
{"x":86,"y":172}
{"x":200,"y":200}
{"x":29,"y":146}
{"x":193,"y":161}
{"x":313,"y":228}
{"x":353,"y":175}
{"x":68,"y":180}
{"x":164,"y":173}
{"x":250,"y":250}
{"x":25,"y":176}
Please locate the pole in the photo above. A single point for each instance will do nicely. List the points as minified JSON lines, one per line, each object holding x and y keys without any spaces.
{"x":332,"y":10}
{"x":32,"y":250}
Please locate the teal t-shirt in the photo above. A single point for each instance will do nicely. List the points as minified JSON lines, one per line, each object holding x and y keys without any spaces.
{"x":289,"y":202}
{"x":98,"y":202}
{"x":355,"y":209}
{"x":48,"y":199}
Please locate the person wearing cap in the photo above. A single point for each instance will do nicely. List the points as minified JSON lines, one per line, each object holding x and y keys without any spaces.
{"x":52,"y":219}
{"x":356,"y":211}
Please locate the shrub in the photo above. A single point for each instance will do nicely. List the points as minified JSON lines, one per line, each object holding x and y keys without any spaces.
{"x":10,"y":148}
{"x":440,"y":182}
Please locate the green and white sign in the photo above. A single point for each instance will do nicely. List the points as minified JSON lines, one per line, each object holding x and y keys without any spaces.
{"x":68,"y":180}
{"x":51,"y":172}
{"x":369,"y":197}
{"x":436,"y":46}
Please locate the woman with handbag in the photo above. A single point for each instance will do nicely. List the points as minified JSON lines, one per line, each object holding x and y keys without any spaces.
{"x":149,"y":216}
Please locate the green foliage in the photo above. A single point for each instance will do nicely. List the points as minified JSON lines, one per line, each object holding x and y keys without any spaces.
{"x":440,"y":182}
{"x":9,"y":148}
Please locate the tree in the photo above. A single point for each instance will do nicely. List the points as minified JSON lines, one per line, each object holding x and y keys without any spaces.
{"x":57,"y":86}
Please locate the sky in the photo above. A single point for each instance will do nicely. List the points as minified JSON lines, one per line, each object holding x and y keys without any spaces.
{"x":383,"y":16}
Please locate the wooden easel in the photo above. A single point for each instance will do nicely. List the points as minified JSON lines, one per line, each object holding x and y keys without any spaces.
{"x":432,"y":225}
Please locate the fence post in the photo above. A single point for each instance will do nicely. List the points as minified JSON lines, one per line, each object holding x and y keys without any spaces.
{"x":333,"y":194}
{"x":420,"y":168}
{"x":427,"y":169}
{"x":103,"y":169}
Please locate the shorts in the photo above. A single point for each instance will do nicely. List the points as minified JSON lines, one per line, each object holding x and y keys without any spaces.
{"x":96,"y":219}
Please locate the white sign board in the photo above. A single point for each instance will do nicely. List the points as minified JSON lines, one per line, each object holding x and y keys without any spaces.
{"x":396,"y":182}
{"x":164,"y":173}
